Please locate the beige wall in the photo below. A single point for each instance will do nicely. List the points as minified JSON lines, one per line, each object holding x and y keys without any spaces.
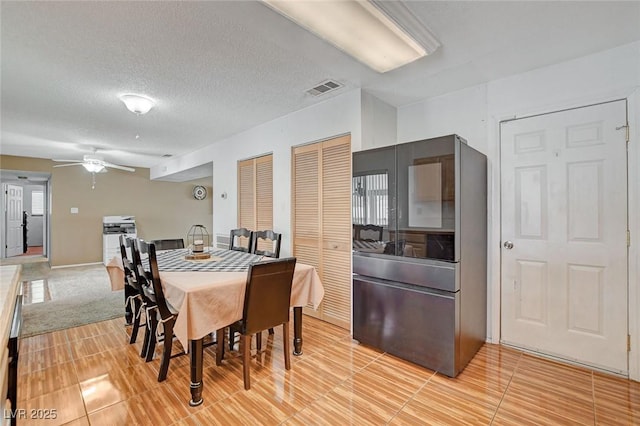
{"x":162,"y":209}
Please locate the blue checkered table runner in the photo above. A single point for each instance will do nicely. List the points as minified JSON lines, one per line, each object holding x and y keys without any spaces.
{"x":232,"y":261}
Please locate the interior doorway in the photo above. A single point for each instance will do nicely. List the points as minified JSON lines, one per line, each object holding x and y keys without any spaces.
{"x":564,"y":235}
{"x":25,"y":215}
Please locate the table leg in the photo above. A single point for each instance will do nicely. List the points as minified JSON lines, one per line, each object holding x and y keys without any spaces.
{"x":297,"y":330}
{"x":195,"y":354}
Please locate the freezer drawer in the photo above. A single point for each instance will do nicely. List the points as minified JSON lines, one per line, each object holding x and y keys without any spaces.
{"x":434,"y":274}
{"x":414,"y":323}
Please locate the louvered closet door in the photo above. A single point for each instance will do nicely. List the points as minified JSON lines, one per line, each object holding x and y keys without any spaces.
{"x":255,"y":198}
{"x":246,"y":197}
{"x":336,"y":231}
{"x":264,"y":197}
{"x":322,"y":221}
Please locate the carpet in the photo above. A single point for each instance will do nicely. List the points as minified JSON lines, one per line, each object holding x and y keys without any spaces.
{"x":78,"y":296}
{"x":60,"y":314}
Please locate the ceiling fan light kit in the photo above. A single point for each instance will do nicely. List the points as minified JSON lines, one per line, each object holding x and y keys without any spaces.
{"x":93,"y":166}
{"x":138,"y":104}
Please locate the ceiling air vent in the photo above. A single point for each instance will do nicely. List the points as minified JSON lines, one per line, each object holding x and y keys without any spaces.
{"x":324,"y":87}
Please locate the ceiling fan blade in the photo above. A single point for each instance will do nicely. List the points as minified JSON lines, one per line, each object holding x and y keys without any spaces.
{"x":67,"y":165}
{"x":116,"y":166}
{"x":66,"y":161}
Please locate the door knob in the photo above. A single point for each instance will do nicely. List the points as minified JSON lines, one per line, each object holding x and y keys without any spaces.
{"x":508,"y":245}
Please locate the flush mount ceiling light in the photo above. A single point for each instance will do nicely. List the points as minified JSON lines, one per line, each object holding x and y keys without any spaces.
{"x":382,"y":35}
{"x":137,"y":104}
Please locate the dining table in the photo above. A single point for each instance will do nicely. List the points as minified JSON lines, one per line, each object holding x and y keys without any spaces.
{"x":208,"y":295}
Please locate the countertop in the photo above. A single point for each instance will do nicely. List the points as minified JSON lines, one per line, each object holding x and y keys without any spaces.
{"x":9,"y":280}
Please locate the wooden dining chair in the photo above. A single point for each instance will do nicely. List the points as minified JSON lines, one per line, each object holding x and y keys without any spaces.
{"x":272,"y":281}
{"x":165,"y":312}
{"x":132,"y":296}
{"x":262,"y":239}
{"x":145,"y":290}
{"x":235,"y":240}
{"x":169,"y":244}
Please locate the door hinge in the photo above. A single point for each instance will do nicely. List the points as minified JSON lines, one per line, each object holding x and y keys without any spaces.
{"x":628,"y":343}
{"x":626,"y":130}
{"x":628,"y":238}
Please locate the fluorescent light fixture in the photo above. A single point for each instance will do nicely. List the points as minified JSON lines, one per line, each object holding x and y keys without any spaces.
{"x":375,"y":33}
{"x":137,"y":104}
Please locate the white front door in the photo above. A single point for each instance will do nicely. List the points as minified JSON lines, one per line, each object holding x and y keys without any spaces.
{"x":564,"y":235}
{"x":14,"y":220}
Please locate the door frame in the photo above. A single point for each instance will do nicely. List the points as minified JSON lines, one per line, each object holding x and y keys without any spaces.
{"x":632,"y":97}
{"x":5,"y":218}
{"x":46,"y":218}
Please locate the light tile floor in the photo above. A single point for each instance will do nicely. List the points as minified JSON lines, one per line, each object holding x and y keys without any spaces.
{"x":91,"y":375}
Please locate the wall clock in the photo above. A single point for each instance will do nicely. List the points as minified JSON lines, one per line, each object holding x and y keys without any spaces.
{"x":199,"y":192}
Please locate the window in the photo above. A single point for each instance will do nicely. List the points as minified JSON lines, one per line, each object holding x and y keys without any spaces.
{"x":37,"y":203}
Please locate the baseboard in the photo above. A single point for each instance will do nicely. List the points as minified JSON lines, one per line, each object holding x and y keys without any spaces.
{"x":78,"y":264}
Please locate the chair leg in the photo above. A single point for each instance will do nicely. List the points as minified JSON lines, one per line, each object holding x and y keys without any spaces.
{"x":151,"y":347}
{"x":259,"y":341}
{"x":128,"y":315}
{"x":245,"y":349}
{"x":287,"y":351}
{"x":232,"y":338}
{"x":219,"y":346}
{"x":145,"y":343}
{"x":136,"y":322}
{"x":166,"y":351}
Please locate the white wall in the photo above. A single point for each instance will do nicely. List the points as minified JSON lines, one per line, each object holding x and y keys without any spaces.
{"x":379,"y":123}
{"x":463,"y":112}
{"x":475,"y":114}
{"x":333,"y":117}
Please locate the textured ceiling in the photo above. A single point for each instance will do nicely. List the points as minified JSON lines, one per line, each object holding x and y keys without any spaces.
{"x":217,"y":68}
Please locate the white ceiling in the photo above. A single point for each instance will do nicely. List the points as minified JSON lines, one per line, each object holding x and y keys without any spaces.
{"x":217,"y":68}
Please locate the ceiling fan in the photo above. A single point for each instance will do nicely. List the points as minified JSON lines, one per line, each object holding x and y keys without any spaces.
{"x":93,"y":164}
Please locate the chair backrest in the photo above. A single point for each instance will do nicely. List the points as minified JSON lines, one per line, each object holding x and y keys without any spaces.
{"x":127,"y":265}
{"x":236,"y":245}
{"x":261,"y":238}
{"x":143,"y":286}
{"x":154,"y":277}
{"x":268,"y":295}
{"x":169,"y":244}
{"x":367,"y":232}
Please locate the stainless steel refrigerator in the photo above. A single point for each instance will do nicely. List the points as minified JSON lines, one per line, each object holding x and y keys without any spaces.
{"x":420,"y":251}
